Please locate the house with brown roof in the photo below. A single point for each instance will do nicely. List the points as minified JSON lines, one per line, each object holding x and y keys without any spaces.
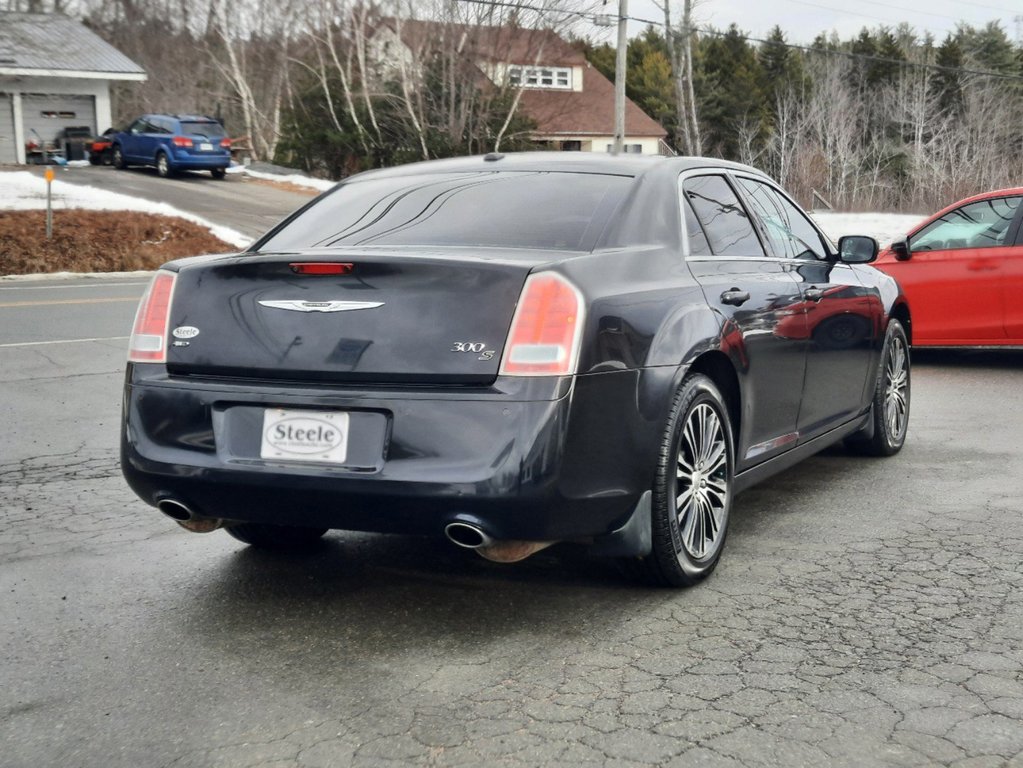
{"x":571,"y":102}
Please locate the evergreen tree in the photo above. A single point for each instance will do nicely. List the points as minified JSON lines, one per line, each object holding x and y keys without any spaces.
{"x":649,"y":81}
{"x":730,"y":90}
{"x":885,"y":70}
{"x":989,"y":48}
{"x":866,"y":47}
{"x":782,"y":65}
{"x":947,"y":82}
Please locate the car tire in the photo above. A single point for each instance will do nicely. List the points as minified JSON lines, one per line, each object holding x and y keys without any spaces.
{"x":278,"y":537}
{"x":163,"y":166}
{"x":95,"y":159}
{"x":106,"y":158}
{"x":118,"y":158}
{"x":693,"y":488}
{"x":218,"y":173}
{"x":889,"y":411}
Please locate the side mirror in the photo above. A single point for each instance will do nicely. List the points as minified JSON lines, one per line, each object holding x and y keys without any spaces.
{"x":901,"y":249}
{"x":857,"y":249}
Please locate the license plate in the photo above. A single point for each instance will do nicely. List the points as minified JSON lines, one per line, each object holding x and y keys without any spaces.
{"x":313,"y":436}
{"x":205,"y":146}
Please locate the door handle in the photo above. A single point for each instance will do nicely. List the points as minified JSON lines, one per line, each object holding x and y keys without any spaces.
{"x":735,"y":297}
{"x":813,"y":294}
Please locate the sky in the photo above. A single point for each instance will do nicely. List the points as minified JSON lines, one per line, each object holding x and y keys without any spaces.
{"x":802,"y":20}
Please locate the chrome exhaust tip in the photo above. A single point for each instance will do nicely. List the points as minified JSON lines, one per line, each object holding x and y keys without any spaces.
{"x":467,"y":535}
{"x":471,"y":536}
{"x":184,"y":516}
{"x":175,"y":510}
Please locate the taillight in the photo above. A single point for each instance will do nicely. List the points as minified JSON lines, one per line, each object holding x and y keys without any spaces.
{"x":546,"y":329}
{"x":148,"y":342}
{"x":181,"y":141}
{"x":225,"y":143}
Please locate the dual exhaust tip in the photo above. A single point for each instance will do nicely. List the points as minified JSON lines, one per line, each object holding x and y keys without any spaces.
{"x":462,"y":533}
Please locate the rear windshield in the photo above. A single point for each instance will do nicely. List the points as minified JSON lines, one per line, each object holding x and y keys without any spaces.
{"x":561,"y":211}
{"x":210,"y":130}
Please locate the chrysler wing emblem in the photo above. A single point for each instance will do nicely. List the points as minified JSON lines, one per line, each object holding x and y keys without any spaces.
{"x":298,"y":305}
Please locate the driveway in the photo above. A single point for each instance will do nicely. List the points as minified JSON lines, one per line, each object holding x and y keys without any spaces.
{"x":246,"y":205}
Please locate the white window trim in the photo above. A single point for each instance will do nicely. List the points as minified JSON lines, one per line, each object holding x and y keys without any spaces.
{"x":559,"y":78}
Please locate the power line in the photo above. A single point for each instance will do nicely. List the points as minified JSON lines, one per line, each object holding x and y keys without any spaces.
{"x":749,"y":39}
{"x":844,"y":12}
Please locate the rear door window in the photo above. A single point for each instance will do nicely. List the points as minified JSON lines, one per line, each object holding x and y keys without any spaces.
{"x":726,"y":223}
{"x":790,"y":234}
{"x":698,"y":245}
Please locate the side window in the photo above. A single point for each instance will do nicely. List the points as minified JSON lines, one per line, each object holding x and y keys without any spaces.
{"x":698,"y":245}
{"x":138,"y":126}
{"x":790,"y":234}
{"x":983,"y":224}
{"x":725,"y":222}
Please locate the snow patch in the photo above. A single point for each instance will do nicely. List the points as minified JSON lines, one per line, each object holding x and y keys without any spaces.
{"x":320,"y":185}
{"x":883,"y":227}
{"x":24,"y":191}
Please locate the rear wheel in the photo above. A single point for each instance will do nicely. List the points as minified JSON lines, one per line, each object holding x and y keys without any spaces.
{"x":163,"y":166}
{"x":692,"y":493}
{"x":275,"y":536}
{"x":890,"y":408}
{"x":218,"y":173}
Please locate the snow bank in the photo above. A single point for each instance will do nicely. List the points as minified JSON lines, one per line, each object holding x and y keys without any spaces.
{"x":320,"y":185}
{"x":883,"y":227}
{"x":23,"y":191}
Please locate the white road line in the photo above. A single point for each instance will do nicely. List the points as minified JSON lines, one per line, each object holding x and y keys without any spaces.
{"x":54,"y":302}
{"x":62,"y":341}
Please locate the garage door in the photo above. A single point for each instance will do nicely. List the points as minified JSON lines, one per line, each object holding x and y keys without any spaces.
{"x":45,"y":115}
{"x":8,"y":153}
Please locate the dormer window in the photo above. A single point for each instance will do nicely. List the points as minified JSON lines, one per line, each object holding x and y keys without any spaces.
{"x":540,"y":77}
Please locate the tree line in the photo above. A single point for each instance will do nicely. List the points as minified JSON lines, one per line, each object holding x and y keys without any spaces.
{"x":887,"y":120}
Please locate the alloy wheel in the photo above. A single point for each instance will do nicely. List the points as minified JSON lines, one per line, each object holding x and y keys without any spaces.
{"x":701,"y":499}
{"x":896,"y":374}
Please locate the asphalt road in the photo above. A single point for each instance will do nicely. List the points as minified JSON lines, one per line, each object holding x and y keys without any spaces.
{"x":866,"y":612}
{"x":245,"y":205}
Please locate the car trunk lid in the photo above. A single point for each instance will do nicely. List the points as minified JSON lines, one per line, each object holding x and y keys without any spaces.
{"x":409,"y":316}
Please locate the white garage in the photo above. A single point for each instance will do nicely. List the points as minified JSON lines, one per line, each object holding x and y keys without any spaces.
{"x":7,"y":153}
{"x":55,"y":74}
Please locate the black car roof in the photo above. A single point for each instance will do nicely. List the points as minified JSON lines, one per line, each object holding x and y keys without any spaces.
{"x":564,"y":162}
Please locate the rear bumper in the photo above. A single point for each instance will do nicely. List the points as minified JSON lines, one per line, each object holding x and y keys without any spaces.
{"x":184,"y":160}
{"x":537,"y":459}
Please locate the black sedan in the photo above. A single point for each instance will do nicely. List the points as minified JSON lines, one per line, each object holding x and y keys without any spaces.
{"x":514,"y":351}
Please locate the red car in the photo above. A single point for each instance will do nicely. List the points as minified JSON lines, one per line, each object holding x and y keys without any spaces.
{"x":962,"y":271}
{"x":100,"y":148}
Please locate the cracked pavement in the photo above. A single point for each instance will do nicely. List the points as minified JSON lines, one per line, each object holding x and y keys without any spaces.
{"x":866,"y":612}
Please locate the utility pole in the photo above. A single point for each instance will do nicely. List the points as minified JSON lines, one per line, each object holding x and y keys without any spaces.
{"x":623,"y":45}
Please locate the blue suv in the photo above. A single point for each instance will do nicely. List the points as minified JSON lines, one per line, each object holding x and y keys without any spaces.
{"x":174,"y":143}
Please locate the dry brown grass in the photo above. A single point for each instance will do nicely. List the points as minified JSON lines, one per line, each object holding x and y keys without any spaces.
{"x":98,"y":241}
